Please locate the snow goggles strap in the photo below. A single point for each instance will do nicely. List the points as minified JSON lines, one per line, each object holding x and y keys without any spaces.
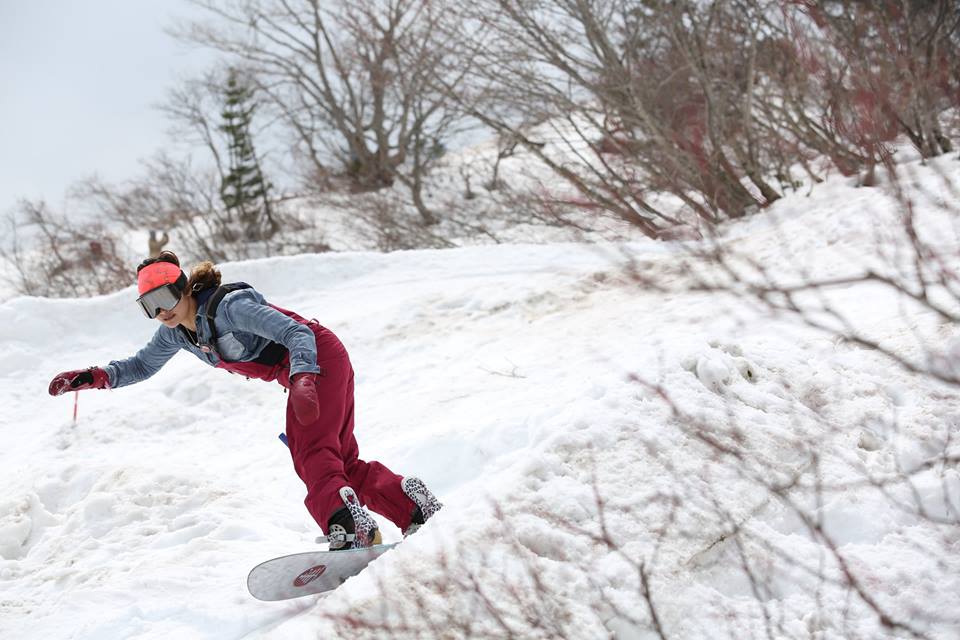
{"x":160,"y":299}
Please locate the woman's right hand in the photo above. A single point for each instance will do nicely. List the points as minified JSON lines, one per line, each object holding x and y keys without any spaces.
{"x":303,"y":397}
{"x":92,"y":378}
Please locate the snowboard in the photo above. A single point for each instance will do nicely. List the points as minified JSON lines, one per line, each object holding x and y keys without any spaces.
{"x":304,"y":574}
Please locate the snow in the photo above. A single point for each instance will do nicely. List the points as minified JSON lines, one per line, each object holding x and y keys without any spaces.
{"x":523,"y":384}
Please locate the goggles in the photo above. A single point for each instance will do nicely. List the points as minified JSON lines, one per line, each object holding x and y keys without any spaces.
{"x":160,"y":299}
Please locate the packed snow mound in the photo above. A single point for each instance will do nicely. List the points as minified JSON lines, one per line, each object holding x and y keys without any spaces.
{"x":614,"y":459}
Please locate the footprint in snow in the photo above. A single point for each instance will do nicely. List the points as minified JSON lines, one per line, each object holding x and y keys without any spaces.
{"x":717,"y":369}
{"x":22,"y":523}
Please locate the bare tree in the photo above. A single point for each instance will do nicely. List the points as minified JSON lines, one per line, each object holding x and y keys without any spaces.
{"x":850,"y":77}
{"x":52,"y":257}
{"x":349,"y":80}
{"x":901,"y":55}
{"x":382,"y":220}
{"x":626,"y":99}
{"x":172,"y":193}
{"x":715,"y":102}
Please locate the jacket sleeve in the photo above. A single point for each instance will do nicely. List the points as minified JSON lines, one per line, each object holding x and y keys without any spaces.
{"x":246,"y":314}
{"x":145,"y":363}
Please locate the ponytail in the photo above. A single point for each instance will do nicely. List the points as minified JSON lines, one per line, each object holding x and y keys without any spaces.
{"x":203,"y":276}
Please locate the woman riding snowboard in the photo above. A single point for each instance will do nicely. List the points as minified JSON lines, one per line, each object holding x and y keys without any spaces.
{"x":233,"y":327}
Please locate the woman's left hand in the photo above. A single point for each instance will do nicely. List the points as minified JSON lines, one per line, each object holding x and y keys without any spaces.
{"x":303,"y":396}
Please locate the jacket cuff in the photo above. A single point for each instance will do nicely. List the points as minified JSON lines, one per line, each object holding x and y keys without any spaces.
{"x":111,"y":376}
{"x":303,"y":367}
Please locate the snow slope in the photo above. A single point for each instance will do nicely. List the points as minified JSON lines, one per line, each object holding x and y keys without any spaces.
{"x":516,"y":380}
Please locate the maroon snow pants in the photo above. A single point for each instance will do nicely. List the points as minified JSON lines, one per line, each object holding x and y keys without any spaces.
{"x":325,"y":453}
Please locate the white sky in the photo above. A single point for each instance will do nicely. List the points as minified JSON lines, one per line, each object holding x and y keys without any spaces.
{"x":77,"y":83}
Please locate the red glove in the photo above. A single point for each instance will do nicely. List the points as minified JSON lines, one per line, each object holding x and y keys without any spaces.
{"x":303,"y":397}
{"x":92,"y":378}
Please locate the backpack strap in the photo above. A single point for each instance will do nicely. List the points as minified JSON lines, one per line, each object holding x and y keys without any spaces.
{"x":210,"y":312}
{"x":271,"y":355}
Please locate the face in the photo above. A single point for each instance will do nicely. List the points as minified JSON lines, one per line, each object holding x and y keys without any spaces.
{"x":173,"y":317}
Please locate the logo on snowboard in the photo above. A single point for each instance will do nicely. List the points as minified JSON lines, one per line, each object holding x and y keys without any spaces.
{"x":309,"y":575}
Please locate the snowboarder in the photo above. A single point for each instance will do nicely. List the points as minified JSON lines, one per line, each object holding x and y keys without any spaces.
{"x":233,"y":327}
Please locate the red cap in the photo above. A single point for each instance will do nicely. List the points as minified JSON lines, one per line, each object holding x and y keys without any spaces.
{"x":156,"y":275}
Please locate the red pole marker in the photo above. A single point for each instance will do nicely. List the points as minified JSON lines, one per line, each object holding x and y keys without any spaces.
{"x":76,"y":401}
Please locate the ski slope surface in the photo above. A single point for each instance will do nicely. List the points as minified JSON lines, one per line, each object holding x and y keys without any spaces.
{"x":546,"y":398}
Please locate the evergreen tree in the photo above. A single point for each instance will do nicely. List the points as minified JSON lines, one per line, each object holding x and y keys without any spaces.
{"x":244,"y":189}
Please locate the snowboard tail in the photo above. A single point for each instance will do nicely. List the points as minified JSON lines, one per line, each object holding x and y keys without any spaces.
{"x":304,"y":574}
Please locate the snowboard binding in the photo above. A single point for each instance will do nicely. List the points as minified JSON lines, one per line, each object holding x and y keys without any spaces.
{"x":352,"y":527}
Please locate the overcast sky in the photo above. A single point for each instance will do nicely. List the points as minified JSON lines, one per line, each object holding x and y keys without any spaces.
{"x":78,"y":79}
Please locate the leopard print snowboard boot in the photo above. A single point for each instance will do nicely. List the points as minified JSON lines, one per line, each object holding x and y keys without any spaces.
{"x":352,"y":527}
{"x":427,"y":503}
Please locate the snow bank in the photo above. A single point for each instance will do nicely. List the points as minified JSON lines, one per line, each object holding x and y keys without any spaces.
{"x":523,"y":383}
